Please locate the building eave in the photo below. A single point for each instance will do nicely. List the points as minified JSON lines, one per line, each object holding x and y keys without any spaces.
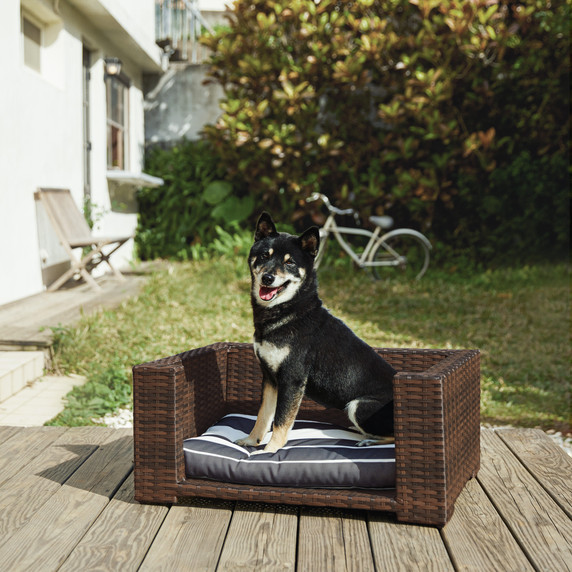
{"x":110,"y":17}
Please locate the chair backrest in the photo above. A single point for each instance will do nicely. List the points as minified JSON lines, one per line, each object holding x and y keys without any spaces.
{"x":67,"y":219}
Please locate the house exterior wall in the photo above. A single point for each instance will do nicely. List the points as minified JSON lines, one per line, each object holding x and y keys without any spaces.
{"x":41,"y":122}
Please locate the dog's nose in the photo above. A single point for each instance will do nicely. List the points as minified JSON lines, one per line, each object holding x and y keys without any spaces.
{"x":267,"y":279}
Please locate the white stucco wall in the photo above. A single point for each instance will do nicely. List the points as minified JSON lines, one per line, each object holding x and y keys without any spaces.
{"x":41,"y":127}
{"x":138,"y":14}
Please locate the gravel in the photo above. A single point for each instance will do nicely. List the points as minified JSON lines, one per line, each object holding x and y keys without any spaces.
{"x":120,"y":419}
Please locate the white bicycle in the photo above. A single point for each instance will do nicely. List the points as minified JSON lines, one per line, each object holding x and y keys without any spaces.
{"x":403,"y":249}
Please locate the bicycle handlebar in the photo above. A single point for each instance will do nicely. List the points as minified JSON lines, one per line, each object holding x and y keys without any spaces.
{"x":319,"y":197}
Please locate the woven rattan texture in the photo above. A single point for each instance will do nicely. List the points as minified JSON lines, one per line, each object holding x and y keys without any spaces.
{"x":436,"y":428}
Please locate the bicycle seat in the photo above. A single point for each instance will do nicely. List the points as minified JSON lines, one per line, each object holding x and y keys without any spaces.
{"x":382,"y":221}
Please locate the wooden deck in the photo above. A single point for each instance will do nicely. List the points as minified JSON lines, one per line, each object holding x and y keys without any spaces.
{"x":66,"y":503}
{"x":25,"y":324}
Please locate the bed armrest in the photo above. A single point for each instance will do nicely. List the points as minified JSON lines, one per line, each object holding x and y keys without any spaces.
{"x":437,"y":435}
{"x":173,"y":398}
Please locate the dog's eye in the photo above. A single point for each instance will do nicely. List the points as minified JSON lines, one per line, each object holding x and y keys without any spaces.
{"x":290,"y":262}
{"x":265,"y":256}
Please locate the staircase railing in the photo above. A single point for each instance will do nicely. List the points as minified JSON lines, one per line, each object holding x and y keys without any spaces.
{"x":178,"y":26}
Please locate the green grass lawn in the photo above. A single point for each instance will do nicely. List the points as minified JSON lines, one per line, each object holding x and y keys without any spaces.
{"x":518,"y":318}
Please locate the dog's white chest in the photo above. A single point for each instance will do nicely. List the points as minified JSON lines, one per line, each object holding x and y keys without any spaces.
{"x":271,"y":355}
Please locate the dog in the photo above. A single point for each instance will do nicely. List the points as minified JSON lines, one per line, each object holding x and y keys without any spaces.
{"x":304,"y":350}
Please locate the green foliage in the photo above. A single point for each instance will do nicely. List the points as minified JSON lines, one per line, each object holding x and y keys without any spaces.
{"x":421,"y":109}
{"x":196,"y":197}
{"x":233,"y":245}
{"x":522,"y":216}
{"x":108,"y":389}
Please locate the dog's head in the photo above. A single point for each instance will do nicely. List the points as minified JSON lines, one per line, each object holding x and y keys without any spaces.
{"x":280,"y":263}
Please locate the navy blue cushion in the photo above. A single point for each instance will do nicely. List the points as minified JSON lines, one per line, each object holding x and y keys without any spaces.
{"x":317,"y":455}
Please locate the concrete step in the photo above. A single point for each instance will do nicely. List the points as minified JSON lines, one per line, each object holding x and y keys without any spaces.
{"x":17,"y":369}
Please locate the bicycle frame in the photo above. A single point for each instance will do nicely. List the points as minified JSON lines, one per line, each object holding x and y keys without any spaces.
{"x":337,"y":231}
{"x":366,"y":258}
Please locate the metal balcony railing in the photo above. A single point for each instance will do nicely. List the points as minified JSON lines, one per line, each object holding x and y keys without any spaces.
{"x":178,"y":26}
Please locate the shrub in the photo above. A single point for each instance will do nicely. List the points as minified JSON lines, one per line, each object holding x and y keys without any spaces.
{"x":197,"y":196}
{"x":423,"y":109}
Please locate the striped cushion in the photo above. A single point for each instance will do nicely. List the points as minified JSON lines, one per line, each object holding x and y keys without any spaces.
{"x":317,"y":455}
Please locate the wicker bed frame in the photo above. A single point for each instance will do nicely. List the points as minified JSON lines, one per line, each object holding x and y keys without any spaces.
{"x":437,"y":429}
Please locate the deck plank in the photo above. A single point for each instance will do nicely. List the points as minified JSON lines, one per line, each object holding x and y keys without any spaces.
{"x":14,"y":456}
{"x":29,"y":321}
{"x":333,"y":540}
{"x":26,"y":492}
{"x":69,"y":506}
{"x":406,"y":547}
{"x":261,"y":537}
{"x":549,"y":464}
{"x":120,"y":537}
{"x":542,"y":528}
{"x":44,"y":542}
{"x":477,"y":538}
{"x":7,"y":432}
{"x":191,"y":538}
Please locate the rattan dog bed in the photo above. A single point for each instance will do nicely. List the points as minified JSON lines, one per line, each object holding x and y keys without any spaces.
{"x":437,"y":431}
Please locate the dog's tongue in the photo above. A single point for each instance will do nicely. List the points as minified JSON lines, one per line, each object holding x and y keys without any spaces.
{"x":267,"y":293}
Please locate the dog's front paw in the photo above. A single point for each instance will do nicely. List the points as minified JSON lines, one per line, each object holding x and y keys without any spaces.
{"x":271,"y":447}
{"x":247,"y":442}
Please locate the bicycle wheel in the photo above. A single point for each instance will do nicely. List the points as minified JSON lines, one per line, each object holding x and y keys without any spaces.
{"x":405,"y":252}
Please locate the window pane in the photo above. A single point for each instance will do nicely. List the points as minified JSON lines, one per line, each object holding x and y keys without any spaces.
{"x":109,"y":149}
{"x":116,"y":123}
{"x":113,"y":99}
{"x":117,"y":111}
{"x":116,"y":148}
{"x":108,"y":93}
{"x":32,"y":44}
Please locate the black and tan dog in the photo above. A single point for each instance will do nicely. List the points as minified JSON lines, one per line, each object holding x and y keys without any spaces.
{"x":303,"y":349}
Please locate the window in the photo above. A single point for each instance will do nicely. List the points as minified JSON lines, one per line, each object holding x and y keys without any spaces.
{"x":32,"y":35}
{"x":117,"y":121}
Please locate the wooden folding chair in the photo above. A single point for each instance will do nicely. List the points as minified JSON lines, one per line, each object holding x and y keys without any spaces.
{"x":74,"y":232}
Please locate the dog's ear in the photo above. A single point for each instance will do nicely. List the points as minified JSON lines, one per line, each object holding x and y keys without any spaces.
{"x":310,"y":241}
{"x":264,"y":227}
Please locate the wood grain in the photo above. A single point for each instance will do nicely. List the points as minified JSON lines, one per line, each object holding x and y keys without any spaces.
{"x":120,"y":538}
{"x":191,"y":538}
{"x":45,"y":541}
{"x":7,"y":433}
{"x":549,"y":464}
{"x":261,"y":537}
{"x":24,"y":494}
{"x":541,"y":527}
{"x":15,"y":455}
{"x":406,"y":547}
{"x":333,"y":540}
{"x":477,"y":538}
